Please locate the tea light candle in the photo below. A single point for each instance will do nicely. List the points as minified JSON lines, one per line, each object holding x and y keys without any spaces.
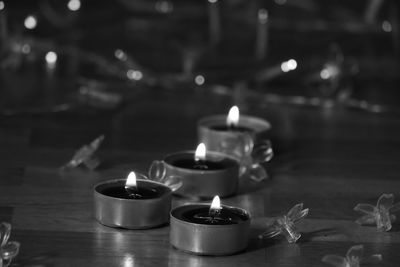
{"x":132,"y":203}
{"x":203,"y":174}
{"x":209,"y":230}
{"x":215,"y":131}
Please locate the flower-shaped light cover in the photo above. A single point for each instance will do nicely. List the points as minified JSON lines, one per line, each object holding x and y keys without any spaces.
{"x":354,"y":257}
{"x":249,"y":155}
{"x":379,"y":214}
{"x":158,"y":173}
{"x":286,"y":224}
{"x":85,"y":156}
{"x":8,"y":250}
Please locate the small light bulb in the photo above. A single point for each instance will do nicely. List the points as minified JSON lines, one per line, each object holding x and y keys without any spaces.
{"x":51,"y":58}
{"x":199,"y":80}
{"x":30,"y":22}
{"x":134,"y":75}
{"x":74,"y":5}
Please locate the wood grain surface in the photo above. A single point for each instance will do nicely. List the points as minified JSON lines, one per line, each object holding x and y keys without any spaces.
{"x":329,"y":159}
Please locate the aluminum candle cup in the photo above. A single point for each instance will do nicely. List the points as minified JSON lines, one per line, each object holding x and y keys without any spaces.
{"x":112,"y":206}
{"x":219,"y":178}
{"x":214,"y":132}
{"x":190,"y":234}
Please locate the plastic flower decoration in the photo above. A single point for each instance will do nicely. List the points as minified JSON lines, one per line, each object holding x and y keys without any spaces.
{"x":354,"y":257}
{"x":379,"y":214}
{"x":250,"y":155}
{"x":85,"y":156}
{"x":286,"y":225}
{"x":8,"y":250}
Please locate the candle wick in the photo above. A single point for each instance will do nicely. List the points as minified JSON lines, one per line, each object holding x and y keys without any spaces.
{"x":132,"y":192}
{"x":214,"y":213}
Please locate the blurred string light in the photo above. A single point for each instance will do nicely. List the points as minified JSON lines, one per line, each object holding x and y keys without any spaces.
{"x":329,"y":71}
{"x":2,"y":5}
{"x":289,"y":65}
{"x":30,"y":22}
{"x":26,"y":49}
{"x":136,"y":75}
{"x":199,"y":80}
{"x":121,"y":55}
{"x":74,"y":5}
{"x":280,"y":2}
{"x":386,"y":26}
{"x":164,"y":6}
{"x":51,"y":59}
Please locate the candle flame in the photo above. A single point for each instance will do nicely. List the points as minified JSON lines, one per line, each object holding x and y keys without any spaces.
{"x":131,"y":180}
{"x":215,"y":207}
{"x":200,"y":153}
{"x":233,"y":116}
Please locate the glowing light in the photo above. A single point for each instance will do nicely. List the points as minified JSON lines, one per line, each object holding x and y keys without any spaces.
{"x":329,"y":71}
{"x":212,"y":1}
{"x":233,"y":116}
{"x":26,"y":49}
{"x":2,"y":5}
{"x":164,"y":6}
{"x":289,"y":65}
{"x":131,"y":180}
{"x":216,"y":204}
{"x":121,"y":55}
{"x":74,"y":5}
{"x":128,"y":261}
{"x":51,"y":58}
{"x":199,"y":80}
{"x":30,"y":22}
{"x":263,"y":15}
{"x":386,"y":26}
{"x":134,"y":75}
{"x":325,"y":75}
{"x":200,"y":153}
{"x":292,"y":64}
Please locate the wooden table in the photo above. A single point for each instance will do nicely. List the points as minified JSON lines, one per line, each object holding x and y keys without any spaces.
{"x":329,"y":159}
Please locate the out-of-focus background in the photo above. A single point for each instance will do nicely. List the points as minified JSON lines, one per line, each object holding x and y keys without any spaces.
{"x":58,"y":55}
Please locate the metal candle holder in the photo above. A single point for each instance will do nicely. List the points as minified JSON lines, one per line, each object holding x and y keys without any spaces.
{"x":221,"y":141}
{"x":206,"y":239}
{"x":204,"y":183}
{"x":132,"y":213}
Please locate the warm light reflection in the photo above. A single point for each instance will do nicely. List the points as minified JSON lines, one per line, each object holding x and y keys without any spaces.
{"x":2,"y":5}
{"x":74,"y":5}
{"x":216,"y":204}
{"x":212,"y":1}
{"x":200,"y":153}
{"x":30,"y":22}
{"x":233,"y":116}
{"x":128,"y":261}
{"x":131,"y":180}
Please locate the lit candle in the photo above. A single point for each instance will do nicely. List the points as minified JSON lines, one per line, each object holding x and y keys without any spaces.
{"x":204,"y":174}
{"x":132,"y":203}
{"x":209,"y":229}
{"x":222,"y":133}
